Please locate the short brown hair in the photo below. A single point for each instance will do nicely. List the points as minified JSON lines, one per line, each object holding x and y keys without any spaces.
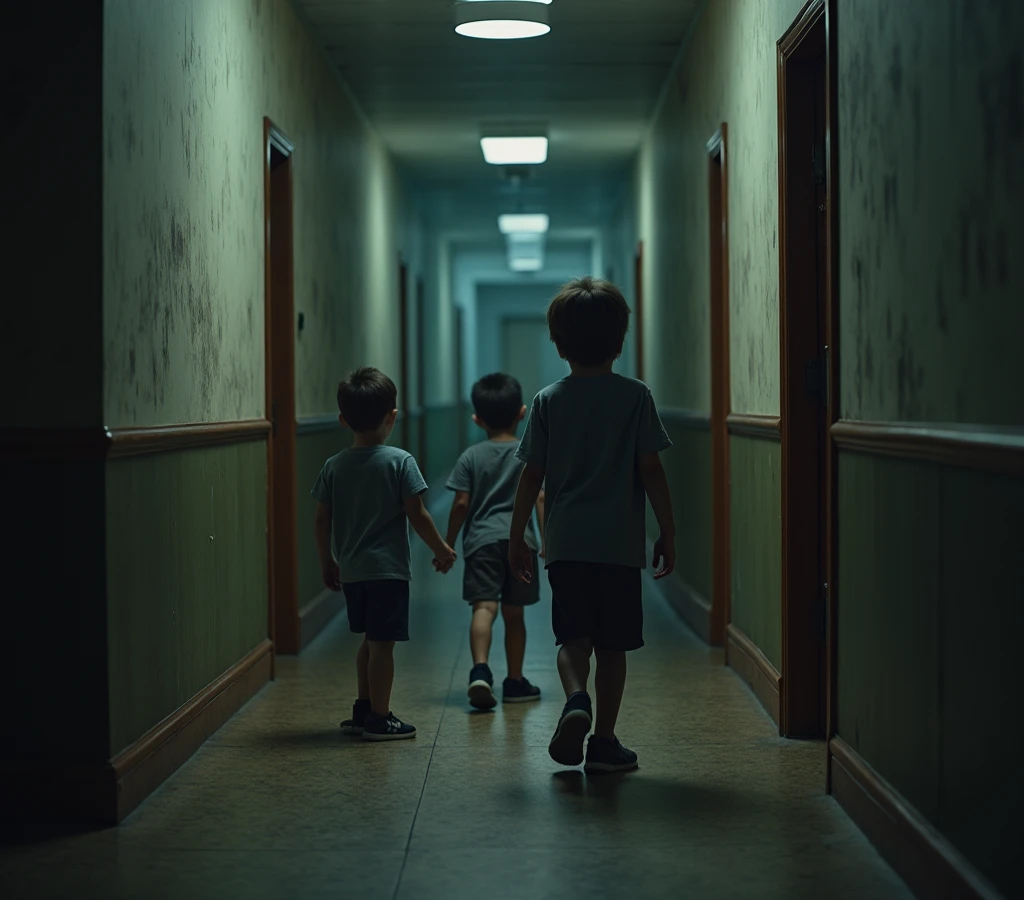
{"x":365,"y":398}
{"x":588,"y":321}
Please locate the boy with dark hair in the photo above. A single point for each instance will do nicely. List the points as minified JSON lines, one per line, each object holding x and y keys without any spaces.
{"x":593,"y":440}
{"x":366,"y":497}
{"x":484,"y":480}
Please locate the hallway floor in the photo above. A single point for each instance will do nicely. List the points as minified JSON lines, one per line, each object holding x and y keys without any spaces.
{"x":278,"y":804}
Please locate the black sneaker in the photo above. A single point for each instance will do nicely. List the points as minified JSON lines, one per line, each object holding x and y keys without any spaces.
{"x":355,"y":725}
{"x":386,"y":728}
{"x":566,"y":747}
{"x":481,"y":687}
{"x":605,"y":756}
{"x":518,"y":691}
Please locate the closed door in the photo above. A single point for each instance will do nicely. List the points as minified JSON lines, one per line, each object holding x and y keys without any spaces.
{"x":528,"y":354}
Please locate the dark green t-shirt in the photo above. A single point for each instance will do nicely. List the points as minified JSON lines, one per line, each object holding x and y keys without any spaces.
{"x":365,"y":487}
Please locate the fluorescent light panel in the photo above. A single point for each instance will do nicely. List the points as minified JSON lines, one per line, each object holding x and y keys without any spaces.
{"x":514,"y":151}
{"x":523,"y":223}
{"x":502,"y":20}
{"x":526,"y":264}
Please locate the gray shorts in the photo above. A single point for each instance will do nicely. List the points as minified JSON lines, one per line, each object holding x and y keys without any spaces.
{"x":488,"y":576}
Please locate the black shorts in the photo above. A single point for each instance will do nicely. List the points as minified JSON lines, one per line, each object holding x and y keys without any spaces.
{"x":597,"y":601}
{"x":488,"y":576}
{"x":379,"y":609}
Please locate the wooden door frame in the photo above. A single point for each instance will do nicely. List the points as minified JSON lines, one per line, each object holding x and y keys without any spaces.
{"x":638,"y":307}
{"x":282,"y":534}
{"x":721,"y":400}
{"x":799,"y":705}
{"x":403,"y":331}
{"x":421,"y":369}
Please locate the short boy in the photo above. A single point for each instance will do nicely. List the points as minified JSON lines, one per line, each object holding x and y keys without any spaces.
{"x":593,"y":439}
{"x":484,"y":480}
{"x":367,"y":496}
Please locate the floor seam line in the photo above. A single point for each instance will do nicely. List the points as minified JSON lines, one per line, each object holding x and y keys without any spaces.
{"x":426,"y":774}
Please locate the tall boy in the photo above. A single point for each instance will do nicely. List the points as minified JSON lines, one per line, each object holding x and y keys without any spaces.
{"x":484,"y":480}
{"x":366,"y":497}
{"x":593,"y":439}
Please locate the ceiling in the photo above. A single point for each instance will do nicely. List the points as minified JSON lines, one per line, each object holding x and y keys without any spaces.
{"x":593,"y":81}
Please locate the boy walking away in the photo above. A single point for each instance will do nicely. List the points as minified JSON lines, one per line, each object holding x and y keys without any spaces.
{"x":367,"y":496}
{"x":594,"y":438}
{"x":485,"y":480}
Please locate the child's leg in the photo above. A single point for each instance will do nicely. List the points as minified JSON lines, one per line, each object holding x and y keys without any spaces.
{"x":381,"y":674}
{"x":515,"y":639}
{"x":609,"y":683}
{"x":484,"y":613}
{"x":362,"y":670}
{"x":574,"y":665}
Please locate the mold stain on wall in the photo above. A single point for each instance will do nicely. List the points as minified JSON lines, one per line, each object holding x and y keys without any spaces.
{"x":931,"y":118}
{"x":185,"y":90}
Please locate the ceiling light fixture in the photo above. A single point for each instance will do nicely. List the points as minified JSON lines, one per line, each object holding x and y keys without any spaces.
{"x":526,"y":264}
{"x":502,"y":20}
{"x":523,"y":223}
{"x":514,"y":151}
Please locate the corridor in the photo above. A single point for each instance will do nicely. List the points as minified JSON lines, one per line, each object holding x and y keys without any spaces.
{"x":279,"y":804}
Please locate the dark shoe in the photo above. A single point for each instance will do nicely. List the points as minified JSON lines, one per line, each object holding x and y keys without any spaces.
{"x":605,"y":756}
{"x":387,"y":728}
{"x":519,"y":691}
{"x":481,"y":687}
{"x":355,"y":725}
{"x":566,"y":747}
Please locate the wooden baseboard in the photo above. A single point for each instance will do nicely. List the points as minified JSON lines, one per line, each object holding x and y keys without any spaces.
{"x":147,"y":763}
{"x":315,"y":616}
{"x":747,"y":660}
{"x":921,"y":856}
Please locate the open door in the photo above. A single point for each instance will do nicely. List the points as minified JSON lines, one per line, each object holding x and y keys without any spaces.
{"x":718,"y":233}
{"x":808,"y":324}
{"x":282,"y":532}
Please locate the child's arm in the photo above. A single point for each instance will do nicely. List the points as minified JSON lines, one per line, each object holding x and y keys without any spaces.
{"x":423,"y":524}
{"x":457,"y":517}
{"x":540,"y":520}
{"x":322,"y":530}
{"x":519,"y":555}
{"x":652,"y":474}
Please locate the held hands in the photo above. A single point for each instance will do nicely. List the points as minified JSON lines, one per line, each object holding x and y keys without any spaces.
{"x":444,"y":560}
{"x":520,"y":558}
{"x":664,"y":555}
{"x":331,"y":575}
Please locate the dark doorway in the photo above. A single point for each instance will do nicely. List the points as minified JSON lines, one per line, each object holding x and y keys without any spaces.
{"x":638,"y":307}
{"x":808,"y":325}
{"x":460,"y":401}
{"x":718,"y":232}
{"x":405,"y":432}
{"x":282,"y":533}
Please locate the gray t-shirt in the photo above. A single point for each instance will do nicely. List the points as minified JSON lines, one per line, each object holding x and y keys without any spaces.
{"x":365,"y":488}
{"x":489,"y":472}
{"x":586,"y":432}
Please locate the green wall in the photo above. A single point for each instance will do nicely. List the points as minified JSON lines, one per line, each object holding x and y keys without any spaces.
{"x":756,"y":552}
{"x":447,"y":437}
{"x":929,"y":620}
{"x":186,"y":576}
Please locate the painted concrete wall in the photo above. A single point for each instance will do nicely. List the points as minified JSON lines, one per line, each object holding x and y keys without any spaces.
{"x":727,"y":74}
{"x":185,"y":88}
{"x":931,"y":102}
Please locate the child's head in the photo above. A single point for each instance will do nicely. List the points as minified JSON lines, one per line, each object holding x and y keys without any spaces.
{"x":367,"y":401}
{"x":588,"y":321}
{"x":498,"y":403}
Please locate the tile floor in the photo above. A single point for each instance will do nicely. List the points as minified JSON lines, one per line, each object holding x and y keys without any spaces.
{"x":278,"y":804}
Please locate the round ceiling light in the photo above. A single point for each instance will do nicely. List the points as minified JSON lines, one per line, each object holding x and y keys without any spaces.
{"x":502,"y":20}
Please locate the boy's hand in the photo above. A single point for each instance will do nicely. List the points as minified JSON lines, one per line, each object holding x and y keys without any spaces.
{"x":444,"y":561}
{"x":331,"y":575}
{"x":664,"y":556}
{"x":521,"y":560}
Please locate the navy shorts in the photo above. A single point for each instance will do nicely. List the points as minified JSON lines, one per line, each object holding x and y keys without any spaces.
{"x":379,"y":609}
{"x":488,"y":576}
{"x":598,"y":601}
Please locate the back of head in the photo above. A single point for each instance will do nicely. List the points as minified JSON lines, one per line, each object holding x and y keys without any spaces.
{"x":588,"y":321}
{"x":365,"y":397}
{"x":497,"y":400}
